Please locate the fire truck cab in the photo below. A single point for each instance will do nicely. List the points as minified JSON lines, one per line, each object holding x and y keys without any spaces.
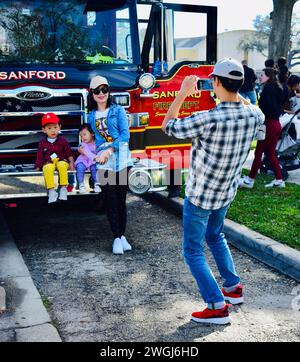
{"x":50,"y":50}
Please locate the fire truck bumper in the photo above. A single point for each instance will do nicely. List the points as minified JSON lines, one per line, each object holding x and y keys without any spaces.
{"x":147,"y":175}
{"x":22,"y":181}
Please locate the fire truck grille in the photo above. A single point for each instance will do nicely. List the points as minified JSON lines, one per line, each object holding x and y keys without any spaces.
{"x":55,"y":104}
{"x":20,"y":121}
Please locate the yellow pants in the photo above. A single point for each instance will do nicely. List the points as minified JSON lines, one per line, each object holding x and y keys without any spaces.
{"x":48,"y":171}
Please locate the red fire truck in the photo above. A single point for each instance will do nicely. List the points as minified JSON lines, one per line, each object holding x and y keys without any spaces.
{"x":50,"y":50}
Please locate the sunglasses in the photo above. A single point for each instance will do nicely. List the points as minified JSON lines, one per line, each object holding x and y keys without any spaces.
{"x":104,"y":89}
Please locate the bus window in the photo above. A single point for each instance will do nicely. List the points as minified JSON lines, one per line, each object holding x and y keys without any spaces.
{"x":143,"y":12}
{"x":77,"y":31}
{"x":190,"y":36}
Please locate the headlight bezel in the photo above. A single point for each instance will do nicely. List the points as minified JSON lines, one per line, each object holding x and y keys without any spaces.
{"x":147,"y":81}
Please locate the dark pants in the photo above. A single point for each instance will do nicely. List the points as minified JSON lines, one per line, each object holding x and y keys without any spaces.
{"x":268,"y":146}
{"x":114,"y":189}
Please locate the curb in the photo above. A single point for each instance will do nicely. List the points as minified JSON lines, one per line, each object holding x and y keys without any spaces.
{"x":2,"y":300}
{"x":25,"y":318}
{"x":279,"y":256}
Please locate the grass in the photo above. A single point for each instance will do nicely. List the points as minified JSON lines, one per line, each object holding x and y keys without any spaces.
{"x":253,"y":145}
{"x":271,"y":212}
{"x":47,"y":303}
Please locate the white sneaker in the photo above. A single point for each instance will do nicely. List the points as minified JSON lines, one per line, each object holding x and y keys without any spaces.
{"x":63,"y":193}
{"x":52,"y":196}
{"x":117,"y":246}
{"x":97,"y":188}
{"x":82,"y":189}
{"x":276,"y":184}
{"x":125,"y":244}
{"x":246,"y":182}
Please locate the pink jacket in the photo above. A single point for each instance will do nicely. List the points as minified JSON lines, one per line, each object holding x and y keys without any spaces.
{"x":90,"y":152}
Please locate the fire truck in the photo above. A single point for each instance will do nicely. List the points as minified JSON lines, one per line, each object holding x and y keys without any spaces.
{"x":50,"y":50}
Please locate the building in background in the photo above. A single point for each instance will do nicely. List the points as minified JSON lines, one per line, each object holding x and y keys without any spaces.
{"x":228,"y":46}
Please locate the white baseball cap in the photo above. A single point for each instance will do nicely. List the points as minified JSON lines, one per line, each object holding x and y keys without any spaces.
{"x":98,"y":80}
{"x":229,"y":68}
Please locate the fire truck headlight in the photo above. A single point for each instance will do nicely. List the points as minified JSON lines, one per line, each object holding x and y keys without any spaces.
{"x":144,"y":119}
{"x":138,"y":119}
{"x":158,"y":178}
{"x":147,"y":81}
{"x":139,"y":181}
{"x":123,"y":99}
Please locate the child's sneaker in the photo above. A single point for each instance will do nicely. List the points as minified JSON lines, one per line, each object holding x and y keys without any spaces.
{"x":125,"y":244}
{"x":63,"y":193}
{"x":97,"y":188}
{"x":117,"y":246}
{"x":234,"y":297}
{"x":52,"y":196}
{"x":276,"y":184}
{"x":82,"y":189}
{"x":214,"y":316}
{"x":246,"y":182}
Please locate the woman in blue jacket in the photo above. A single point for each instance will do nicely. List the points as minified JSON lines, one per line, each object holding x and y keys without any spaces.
{"x":110,"y":125}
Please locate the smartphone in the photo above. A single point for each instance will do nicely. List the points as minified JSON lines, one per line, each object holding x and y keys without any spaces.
{"x":205,"y":84}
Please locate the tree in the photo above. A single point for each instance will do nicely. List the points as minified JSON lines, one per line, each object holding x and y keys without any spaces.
{"x":46,"y":33}
{"x":279,"y":40}
{"x":259,"y":39}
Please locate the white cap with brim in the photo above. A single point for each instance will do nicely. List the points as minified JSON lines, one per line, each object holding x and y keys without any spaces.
{"x":98,"y":80}
{"x":228,"y":68}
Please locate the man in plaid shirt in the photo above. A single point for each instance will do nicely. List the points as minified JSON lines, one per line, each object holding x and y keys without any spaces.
{"x":221,"y":140}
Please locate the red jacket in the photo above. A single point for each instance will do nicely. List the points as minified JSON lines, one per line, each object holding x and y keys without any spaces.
{"x":61,"y":147}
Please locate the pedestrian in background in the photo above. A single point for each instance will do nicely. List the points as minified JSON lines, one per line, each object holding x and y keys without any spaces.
{"x":270,"y":63}
{"x":221,"y":141}
{"x":293,"y":97}
{"x":247,"y":90}
{"x":283,"y":71}
{"x":271,"y":103}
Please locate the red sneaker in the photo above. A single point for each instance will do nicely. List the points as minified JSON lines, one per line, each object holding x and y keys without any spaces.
{"x":234,"y":297}
{"x":215,"y":316}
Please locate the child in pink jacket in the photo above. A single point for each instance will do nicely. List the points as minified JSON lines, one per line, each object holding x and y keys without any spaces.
{"x":86,"y":159}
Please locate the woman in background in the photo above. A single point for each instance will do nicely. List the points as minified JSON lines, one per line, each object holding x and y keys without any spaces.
{"x":271,"y":103}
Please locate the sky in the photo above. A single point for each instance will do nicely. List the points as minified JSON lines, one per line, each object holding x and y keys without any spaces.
{"x":235,"y":14}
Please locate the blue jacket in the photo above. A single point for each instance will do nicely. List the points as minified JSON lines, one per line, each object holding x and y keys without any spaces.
{"x":117,"y":124}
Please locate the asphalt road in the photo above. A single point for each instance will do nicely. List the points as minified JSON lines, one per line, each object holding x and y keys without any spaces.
{"x":147,"y":294}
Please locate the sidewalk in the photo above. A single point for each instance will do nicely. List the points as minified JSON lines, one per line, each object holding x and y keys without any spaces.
{"x":145,"y":295}
{"x":25,"y":319}
{"x":274,"y":254}
{"x":294,"y":176}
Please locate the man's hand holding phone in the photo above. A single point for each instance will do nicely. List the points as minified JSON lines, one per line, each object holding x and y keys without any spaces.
{"x":204,"y":84}
{"x":189,"y":85}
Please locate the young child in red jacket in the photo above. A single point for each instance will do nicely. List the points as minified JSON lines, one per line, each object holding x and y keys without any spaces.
{"x":54,"y":153}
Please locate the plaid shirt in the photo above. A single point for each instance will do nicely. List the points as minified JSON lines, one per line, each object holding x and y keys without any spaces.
{"x":221,"y":140}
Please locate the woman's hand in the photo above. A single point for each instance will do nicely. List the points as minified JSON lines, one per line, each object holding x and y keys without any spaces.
{"x":104,"y":156}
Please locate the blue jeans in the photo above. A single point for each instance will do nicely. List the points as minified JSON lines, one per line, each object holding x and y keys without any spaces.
{"x":249,"y":95}
{"x":80,"y":171}
{"x":197,"y":225}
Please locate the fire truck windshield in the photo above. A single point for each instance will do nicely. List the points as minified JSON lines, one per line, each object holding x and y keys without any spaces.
{"x":51,"y":31}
